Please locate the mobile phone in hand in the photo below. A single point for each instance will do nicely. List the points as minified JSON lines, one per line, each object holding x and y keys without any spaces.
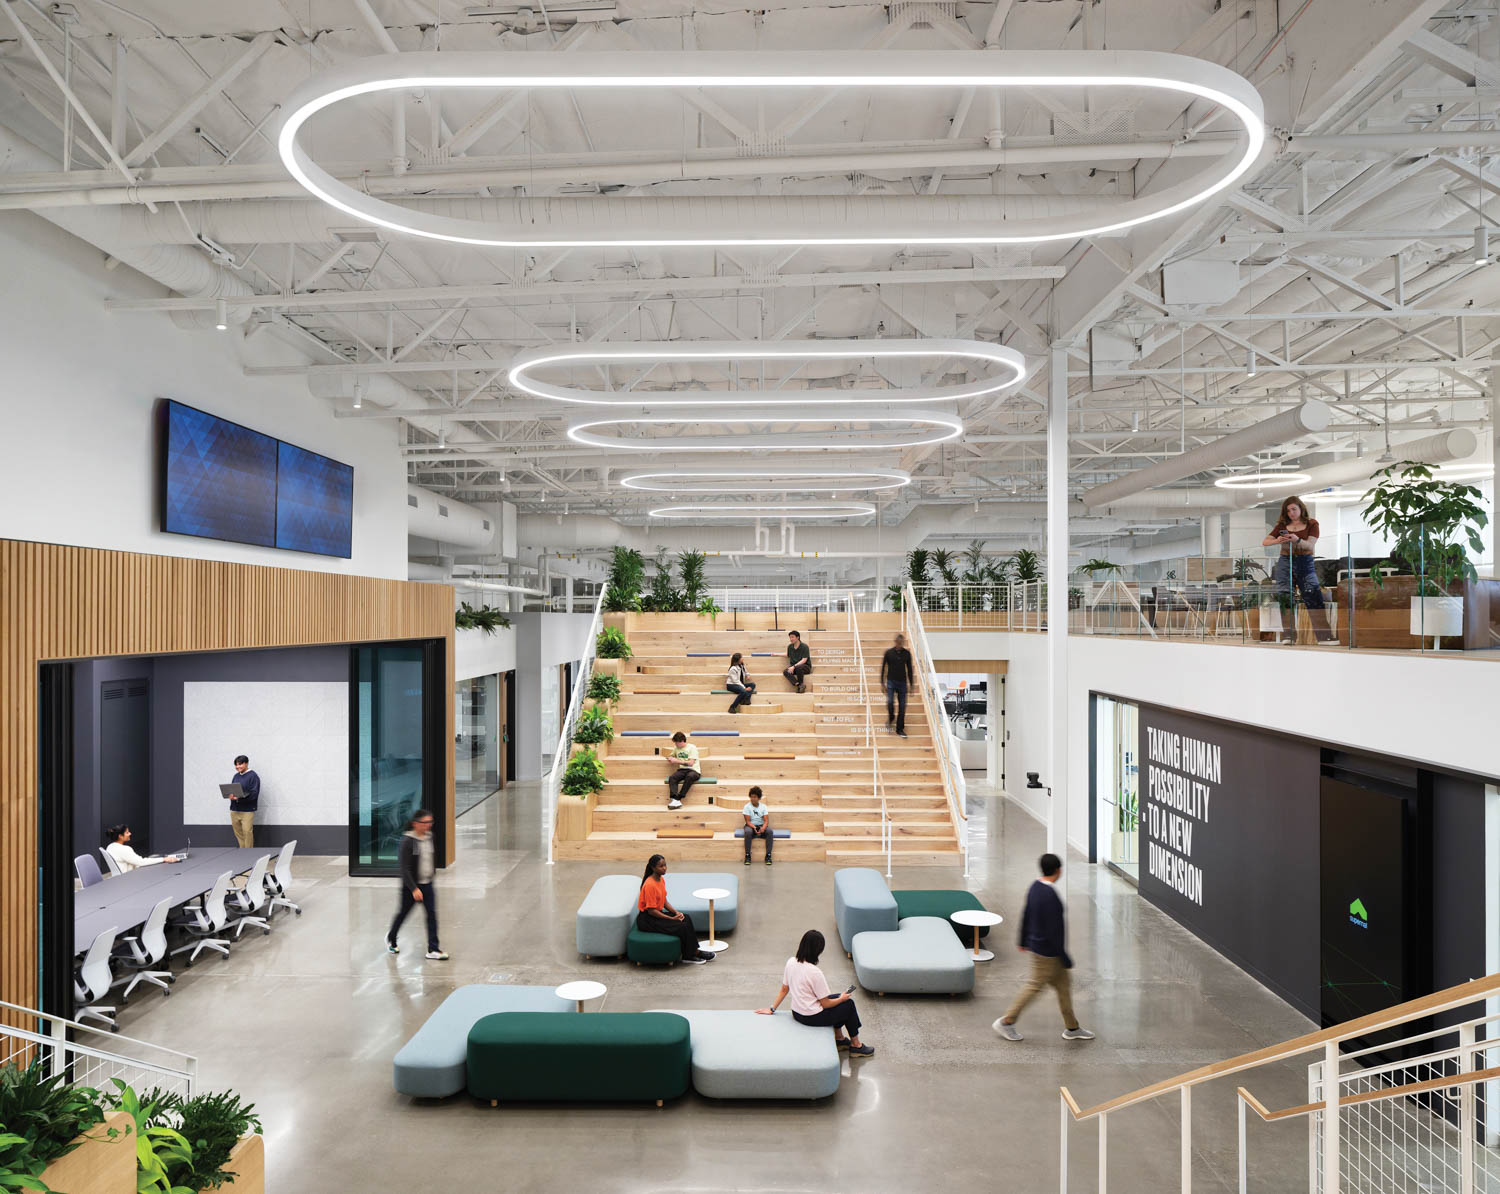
{"x":850,"y":990}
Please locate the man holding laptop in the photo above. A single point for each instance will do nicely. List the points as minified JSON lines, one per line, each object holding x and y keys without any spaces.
{"x":243,"y":794}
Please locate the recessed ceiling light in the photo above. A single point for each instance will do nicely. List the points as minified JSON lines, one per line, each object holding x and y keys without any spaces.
{"x":672,"y":71}
{"x":770,"y":479}
{"x":1006,"y":364}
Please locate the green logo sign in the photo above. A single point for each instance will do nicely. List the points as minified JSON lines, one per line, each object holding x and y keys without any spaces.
{"x":1358,"y":915}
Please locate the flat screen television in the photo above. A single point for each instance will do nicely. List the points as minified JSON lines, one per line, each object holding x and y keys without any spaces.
{"x":221,"y":480}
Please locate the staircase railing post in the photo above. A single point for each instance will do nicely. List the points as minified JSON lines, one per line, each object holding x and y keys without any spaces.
{"x":1187,"y":1140}
{"x":1331,"y":1118}
{"x":1466,"y":1123}
{"x":1062,"y":1160}
{"x":1240,"y":1100}
{"x":1103,"y":1154}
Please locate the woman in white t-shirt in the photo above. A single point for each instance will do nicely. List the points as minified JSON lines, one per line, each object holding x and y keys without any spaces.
{"x":738,"y":682}
{"x":811,"y":1001}
{"x":124,"y":854}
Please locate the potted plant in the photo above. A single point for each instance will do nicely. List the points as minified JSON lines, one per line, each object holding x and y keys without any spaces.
{"x":1432,"y":525}
{"x":226,"y":1150}
{"x":660,"y":597}
{"x":690,"y":565}
{"x":709,"y":608}
{"x":622,"y":590}
{"x":51,"y":1134}
{"x":486,"y":618}
{"x":594,"y":729}
{"x":611,"y":649}
{"x":603,"y":688}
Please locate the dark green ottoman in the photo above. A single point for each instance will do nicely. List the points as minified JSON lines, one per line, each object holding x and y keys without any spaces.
{"x":601,"y":1057}
{"x":941,"y":903}
{"x":656,"y":948}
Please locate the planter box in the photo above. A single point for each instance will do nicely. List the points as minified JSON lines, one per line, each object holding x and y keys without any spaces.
{"x":619,"y":621}
{"x":100,"y":1165}
{"x":247,"y":1162}
{"x":599,"y":748}
{"x":1435,"y":616}
{"x":610,"y":667}
{"x":575,"y":817}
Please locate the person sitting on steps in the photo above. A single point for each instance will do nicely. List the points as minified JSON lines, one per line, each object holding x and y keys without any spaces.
{"x":684,"y":756}
{"x":798,"y":661}
{"x":811,"y":1001}
{"x":757,"y":824}
{"x":739,"y":683}
{"x":655,"y":915}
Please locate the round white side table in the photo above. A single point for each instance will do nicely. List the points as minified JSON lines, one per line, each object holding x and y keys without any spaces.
{"x":711,"y":894}
{"x":977,"y":918}
{"x":581,"y":992}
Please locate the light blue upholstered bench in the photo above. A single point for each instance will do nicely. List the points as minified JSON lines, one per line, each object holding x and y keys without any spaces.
{"x":921,"y":957}
{"x":606,"y":914}
{"x":432,"y":1065}
{"x":861,"y":903}
{"x":739,"y":1055}
{"x":680,"y":888}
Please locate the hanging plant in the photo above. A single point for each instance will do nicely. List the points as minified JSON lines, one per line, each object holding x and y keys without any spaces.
{"x":486,"y":618}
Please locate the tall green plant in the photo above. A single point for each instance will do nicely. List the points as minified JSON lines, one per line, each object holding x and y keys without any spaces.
{"x":1027,"y":564}
{"x":627,"y":575}
{"x":660,"y":597}
{"x":690,"y":565}
{"x":1429,"y":522}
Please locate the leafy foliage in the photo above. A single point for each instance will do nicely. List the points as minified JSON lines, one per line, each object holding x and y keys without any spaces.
{"x":161,"y":1152}
{"x":1028,"y":565}
{"x":603,"y":687}
{"x":944,"y":561}
{"x":594,"y":725}
{"x":627,"y":575}
{"x":708,"y":607}
{"x":660,"y":597}
{"x":690,"y":566}
{"x":45,"y":1114}
{"x":583,"y":774}
{"x":212,"y":1124}
{"x":1428,"y":522}
{"x":486,"y":618}
{"x":1092,"y":568}
{"x":611,"y":644}
{"x":917,"y":561}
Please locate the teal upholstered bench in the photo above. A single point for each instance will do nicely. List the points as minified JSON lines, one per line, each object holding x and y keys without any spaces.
{"x":702,"y":779}
{"x":604,"y":1057}
{"x":431,"y":1064}
{"x":941,"y":904}
{"x":655,"y":948}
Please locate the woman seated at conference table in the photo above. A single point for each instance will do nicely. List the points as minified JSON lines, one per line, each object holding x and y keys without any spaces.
{"x":118,"y":848}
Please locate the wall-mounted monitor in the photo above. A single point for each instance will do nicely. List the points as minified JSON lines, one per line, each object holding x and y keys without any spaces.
{"x":221,"y":480}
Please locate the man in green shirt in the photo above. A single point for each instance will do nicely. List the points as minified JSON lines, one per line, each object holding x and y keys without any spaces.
{"x":798,"y":661}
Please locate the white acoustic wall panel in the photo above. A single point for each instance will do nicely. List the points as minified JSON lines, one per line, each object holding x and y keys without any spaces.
{"x":297,"y":737}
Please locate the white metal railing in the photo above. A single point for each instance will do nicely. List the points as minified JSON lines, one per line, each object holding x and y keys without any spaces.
{"x":1421,"y":1112}
{"x":877,"y":788}
{"x":93,"y":1056}
{"x":795,"y":599}
{"x":552,"y":786}
{"x":952,"y":772}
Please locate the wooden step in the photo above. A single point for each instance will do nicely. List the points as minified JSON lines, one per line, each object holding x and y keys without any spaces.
{"x":725,"y":792}
{"x":847,"y":853}
{"x":647,"y":818}
{"x":926,"y":830}
{"x":722,"y":847}
{"x":726,"y":770}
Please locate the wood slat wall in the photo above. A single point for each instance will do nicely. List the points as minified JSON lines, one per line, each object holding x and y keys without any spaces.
{"x":60,"y":602}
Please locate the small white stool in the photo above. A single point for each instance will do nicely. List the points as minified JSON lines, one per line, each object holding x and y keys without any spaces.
{"x":581,"y":991}
{"x":977,"y":918}
{"x":711,"y":894}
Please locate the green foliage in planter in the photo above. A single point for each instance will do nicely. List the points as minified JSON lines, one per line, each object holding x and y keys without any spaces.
{"x":1428,"y":522}
{"x":690,"y":565}
{"x":212,"y":1124}
{"x":594,"y":725}
{"x":1093,"y":568}
{"x":583,"y":774}
{"x":603,"y":687}
{"x":1028,"y":565}
{"x":660,"y":597}
{"x":486,"y":618}
{"x":611,"y":644}
{"x":708,"y":607}
{"x":161,"y":1152}
{"x":627,"y":575}
{"x":46,"y":1115}
{"x":893,"y":596}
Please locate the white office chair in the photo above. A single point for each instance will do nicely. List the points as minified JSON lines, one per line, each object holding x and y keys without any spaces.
{"x":93,"y":981}
{"x":203,"y":921}
{"x":109,"y":861}
{"x":279,"y":882}
{"x":250,"y":899}
{"x":145,"y":951}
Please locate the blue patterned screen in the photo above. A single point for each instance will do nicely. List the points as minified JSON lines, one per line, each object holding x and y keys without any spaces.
{"x":221,"y":479}
{"x":224,"y":481}
{"x":314,"y":502}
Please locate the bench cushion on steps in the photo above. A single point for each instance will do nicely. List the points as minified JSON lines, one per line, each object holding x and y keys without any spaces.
{"x":431,"y":1065}
{"x":740,"y":1055}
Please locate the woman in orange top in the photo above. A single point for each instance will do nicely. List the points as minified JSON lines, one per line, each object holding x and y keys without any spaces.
{"x":655,"y":915}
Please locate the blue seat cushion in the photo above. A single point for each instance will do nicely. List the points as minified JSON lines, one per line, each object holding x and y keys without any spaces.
{"x":740,"y":1055}
{"x":778,"y":833}
{"x":680,"y":888}
{"x":432,"y":1064}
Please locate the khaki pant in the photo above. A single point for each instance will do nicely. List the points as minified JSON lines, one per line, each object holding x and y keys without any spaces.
{"x":244,"y":829}
{"x":1045,"y":972}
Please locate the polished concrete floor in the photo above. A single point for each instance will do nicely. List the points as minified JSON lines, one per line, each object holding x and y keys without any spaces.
{"x":305,"y":1021}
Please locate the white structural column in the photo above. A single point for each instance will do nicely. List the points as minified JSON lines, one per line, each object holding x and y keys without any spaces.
{"x":1057,"y":601}
{"x":994,"y":747}
{"x":1495,"y":461}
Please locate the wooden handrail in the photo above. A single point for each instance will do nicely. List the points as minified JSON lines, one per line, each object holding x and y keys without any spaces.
{"x":1372,"y":1096}
{"x":1414,"y":1009}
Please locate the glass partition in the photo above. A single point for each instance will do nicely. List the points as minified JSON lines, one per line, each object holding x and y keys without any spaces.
{"x":1117,"y":783}
{"x":388,"y":780}
{"x":476,"y":741}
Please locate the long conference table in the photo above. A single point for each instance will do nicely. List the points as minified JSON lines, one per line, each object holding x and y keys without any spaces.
{"x":125,"y":901}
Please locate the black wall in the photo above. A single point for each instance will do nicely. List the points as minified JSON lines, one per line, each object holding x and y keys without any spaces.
{"x":1247,"y":850}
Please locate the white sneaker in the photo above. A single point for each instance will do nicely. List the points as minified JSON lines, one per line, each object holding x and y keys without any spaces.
{"x":1077,"y":1034}
{"x":674,"y":804}
{"x":1009,"y":1031}
{"x":435,"y":955}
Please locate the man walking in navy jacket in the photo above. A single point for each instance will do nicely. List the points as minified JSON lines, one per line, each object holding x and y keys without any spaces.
{"x":1043,"y":934}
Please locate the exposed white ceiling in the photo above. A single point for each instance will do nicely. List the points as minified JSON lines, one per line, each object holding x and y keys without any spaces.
{"x":1344,"y":263}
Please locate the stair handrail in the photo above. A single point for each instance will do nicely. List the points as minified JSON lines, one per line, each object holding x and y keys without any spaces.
{"x":58,"y":1042}
{"x":877,"y":789}
{"x":954,"y":789}
{"x":1327,"y":1041}
{"x":552,"y":789}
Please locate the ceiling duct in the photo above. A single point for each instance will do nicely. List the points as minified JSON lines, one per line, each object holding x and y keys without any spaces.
{"x":1311,"y":416}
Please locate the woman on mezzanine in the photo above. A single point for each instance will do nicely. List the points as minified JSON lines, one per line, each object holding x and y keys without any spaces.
{"x":1296,"y":569}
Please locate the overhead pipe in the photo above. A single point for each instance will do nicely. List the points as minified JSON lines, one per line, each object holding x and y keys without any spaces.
{"x":432,"y":516}
{"x":1312,"y":416}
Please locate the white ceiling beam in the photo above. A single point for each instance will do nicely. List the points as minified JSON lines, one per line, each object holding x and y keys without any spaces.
{"x":1469,"y":69}
{"x":200,"y":99}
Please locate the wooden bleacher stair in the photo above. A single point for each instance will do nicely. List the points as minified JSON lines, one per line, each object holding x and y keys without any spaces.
{"x":807,"y":751}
